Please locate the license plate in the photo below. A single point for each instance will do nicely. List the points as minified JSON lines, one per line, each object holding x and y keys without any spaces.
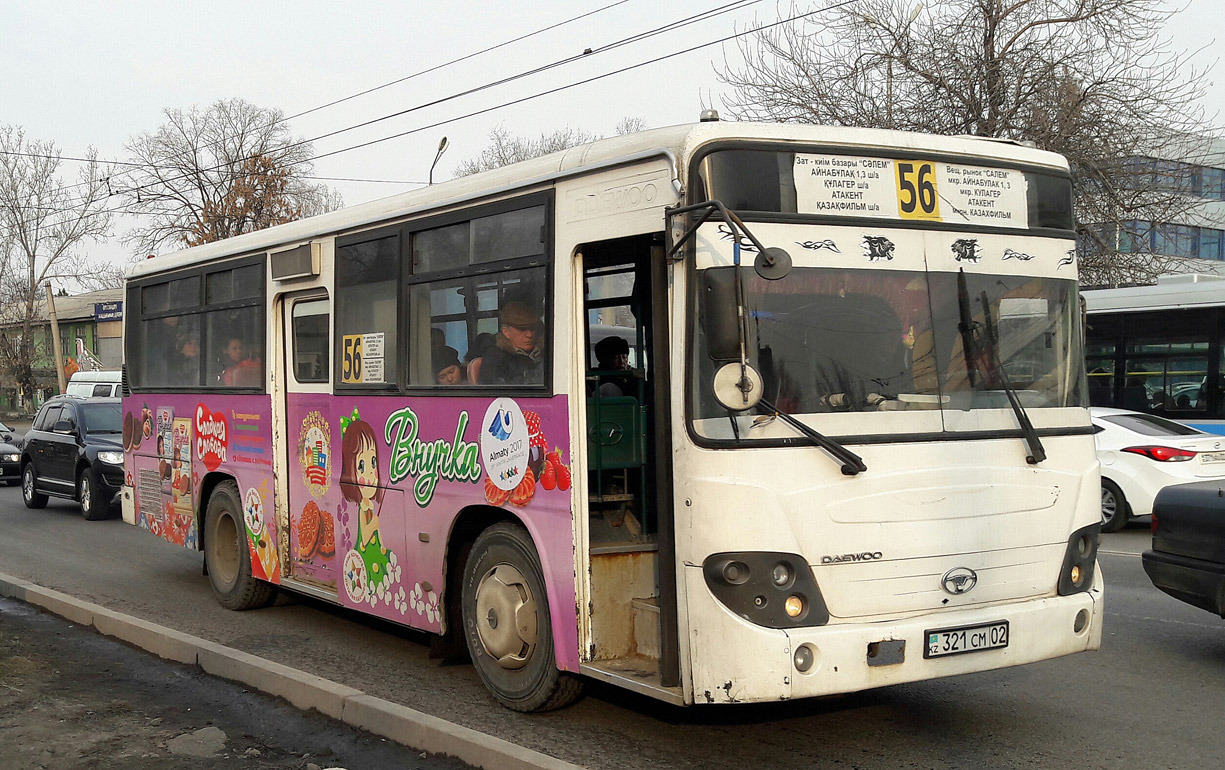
{"x":1212,"y":457}
{"x":955,"y":641}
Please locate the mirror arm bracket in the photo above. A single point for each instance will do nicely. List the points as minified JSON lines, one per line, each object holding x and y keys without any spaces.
{"x":708,"y":208}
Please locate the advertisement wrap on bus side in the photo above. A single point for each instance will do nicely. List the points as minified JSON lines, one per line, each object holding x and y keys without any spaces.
{"x":375,"y":485}
{"x":380,"y":481}
{"x":173,"y":441}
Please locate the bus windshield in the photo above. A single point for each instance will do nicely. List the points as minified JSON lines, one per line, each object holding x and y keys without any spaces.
{"x":858,"y":340}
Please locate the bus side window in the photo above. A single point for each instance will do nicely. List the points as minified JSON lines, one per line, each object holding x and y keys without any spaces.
{"x":457,"y":324}
{"x":310,"y":341}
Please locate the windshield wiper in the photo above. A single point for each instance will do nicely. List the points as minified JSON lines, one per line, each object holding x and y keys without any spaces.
{"x":968,"y":328}
{"x":852,"y":463}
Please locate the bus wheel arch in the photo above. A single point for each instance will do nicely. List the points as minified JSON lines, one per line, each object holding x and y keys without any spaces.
{"x":227,"y":555}
{"x":493,"y":565}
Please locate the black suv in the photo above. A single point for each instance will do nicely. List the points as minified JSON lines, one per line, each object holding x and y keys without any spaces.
{"x":74,"y":449}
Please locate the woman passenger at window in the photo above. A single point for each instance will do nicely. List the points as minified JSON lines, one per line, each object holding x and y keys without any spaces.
{"x":447,"y":369}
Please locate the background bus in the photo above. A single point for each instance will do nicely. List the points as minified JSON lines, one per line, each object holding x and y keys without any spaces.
{"x":1157,"y":349}
{"x":852,"y":448}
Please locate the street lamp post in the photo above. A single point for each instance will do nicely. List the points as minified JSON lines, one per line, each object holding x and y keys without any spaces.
{"x":442,"y":147}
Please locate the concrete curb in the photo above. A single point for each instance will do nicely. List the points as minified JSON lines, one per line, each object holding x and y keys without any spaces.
{"x":401,"y":724}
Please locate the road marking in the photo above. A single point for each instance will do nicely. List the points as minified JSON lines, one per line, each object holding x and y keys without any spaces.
{"x":1119,"y":553}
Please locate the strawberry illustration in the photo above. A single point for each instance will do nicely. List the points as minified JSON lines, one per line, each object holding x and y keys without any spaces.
{"x":548,"y":477}
{"x":562,"y":471}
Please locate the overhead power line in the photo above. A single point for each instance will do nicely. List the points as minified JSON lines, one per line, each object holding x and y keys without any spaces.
{"x":678,"y":24}
{"x":564,"y":87}
{"x":352,"y":96}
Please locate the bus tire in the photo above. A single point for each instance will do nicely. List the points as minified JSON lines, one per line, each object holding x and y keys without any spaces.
{"x":506,"y":622}
{"x":227,"y":556}
{"x":1115,"y":510}
{"x":93,"y":507}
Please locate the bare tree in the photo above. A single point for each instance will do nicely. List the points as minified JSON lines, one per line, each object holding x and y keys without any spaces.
{"x":1091,"y":79}
{"x":630,"y":125}
{"x":43,"y":226}
{"x":505,"y":148}
{"x":210,"y":174}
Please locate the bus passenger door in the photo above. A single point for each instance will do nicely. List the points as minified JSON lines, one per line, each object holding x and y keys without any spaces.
{"x":311,"y":477}
{"x":625,"y":414}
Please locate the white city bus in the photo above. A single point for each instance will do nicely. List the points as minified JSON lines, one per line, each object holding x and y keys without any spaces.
{"x":840,"y":438}
{"x":1157,"y":349}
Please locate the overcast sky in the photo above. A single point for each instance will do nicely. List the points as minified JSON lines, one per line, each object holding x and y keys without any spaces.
{"x":96,"y":73}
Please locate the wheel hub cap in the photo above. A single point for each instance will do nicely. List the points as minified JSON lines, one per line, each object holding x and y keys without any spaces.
{"x":225,"y":565}
{"x":506,"y":616}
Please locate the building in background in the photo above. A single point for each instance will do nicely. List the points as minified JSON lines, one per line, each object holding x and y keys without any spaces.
{"x":95,"y":318}
{"x":1187,"y":170}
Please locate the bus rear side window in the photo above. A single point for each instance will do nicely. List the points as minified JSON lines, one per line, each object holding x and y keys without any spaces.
{"x":310,"y":341}
{"x":367,"y":275}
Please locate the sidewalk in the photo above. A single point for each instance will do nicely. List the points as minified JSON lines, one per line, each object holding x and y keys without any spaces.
{"x":350,"y":708}
{"x":71,"y":698}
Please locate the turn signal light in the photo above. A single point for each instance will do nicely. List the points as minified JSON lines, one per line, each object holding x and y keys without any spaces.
{"x":1162,"y":454}
{"x":794,"y":606}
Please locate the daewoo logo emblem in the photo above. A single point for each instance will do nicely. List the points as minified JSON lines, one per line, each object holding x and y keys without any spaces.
{"x":959,"y":580}
{"x":846,"y":557}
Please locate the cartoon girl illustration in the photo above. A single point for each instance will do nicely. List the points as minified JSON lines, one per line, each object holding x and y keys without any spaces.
{"x":359,"y":479}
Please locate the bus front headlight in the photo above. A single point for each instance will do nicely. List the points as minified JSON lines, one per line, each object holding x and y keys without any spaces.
{"x":1079,"y":559}
{"x":776,"y":590}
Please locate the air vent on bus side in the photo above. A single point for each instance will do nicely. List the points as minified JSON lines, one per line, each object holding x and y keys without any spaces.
{"x":300,"y":262}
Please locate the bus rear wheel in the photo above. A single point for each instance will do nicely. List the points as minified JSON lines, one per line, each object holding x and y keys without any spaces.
{"x":506,"y":622}
{"x":227,"y":556}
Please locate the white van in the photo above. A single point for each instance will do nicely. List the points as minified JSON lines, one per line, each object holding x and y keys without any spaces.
{"x":95,"y":384}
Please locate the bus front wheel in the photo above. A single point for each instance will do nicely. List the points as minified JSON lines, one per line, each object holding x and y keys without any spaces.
{"x":506,"y":622}
{"x":227,"y":555}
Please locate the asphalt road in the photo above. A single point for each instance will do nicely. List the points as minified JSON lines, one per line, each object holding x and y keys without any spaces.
{"x":1149,"y":699}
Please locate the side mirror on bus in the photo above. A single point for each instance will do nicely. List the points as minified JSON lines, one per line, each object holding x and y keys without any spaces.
{"x":718,"y":314}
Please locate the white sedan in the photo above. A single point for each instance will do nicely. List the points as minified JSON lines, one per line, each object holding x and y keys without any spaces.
{"x":1141,"y":453}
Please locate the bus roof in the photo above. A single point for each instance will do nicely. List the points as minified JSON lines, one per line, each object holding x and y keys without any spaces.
{"x":676,"y":143}
{"x":1170,"y":292}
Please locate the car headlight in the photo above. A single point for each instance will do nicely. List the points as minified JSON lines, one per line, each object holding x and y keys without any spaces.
{"x":10,"y":458}
{"x":114,"y":458}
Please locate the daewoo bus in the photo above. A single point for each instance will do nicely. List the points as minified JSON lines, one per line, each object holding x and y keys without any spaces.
{"x":852,"y":450}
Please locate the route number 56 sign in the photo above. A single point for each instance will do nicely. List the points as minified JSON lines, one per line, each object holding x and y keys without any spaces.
{"x":916,"y":190}
{"x":361,"y":358}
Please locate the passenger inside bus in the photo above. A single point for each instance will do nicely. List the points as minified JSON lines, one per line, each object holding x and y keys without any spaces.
{"x":238,"y":368}
{"x":187,"y":368}
{"x":518,"y":351}
{"x":447,"y":368}
{"x":612,"y":355}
